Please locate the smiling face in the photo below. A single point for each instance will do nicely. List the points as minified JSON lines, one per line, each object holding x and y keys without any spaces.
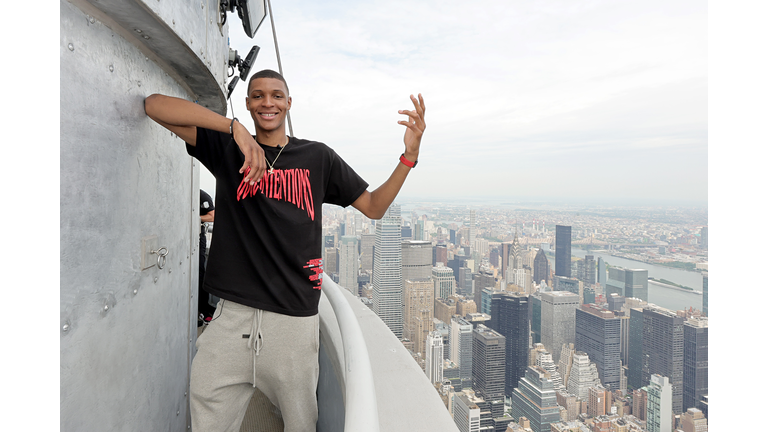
{"x":268,"y":103}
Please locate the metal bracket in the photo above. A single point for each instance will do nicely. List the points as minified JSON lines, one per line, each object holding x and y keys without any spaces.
{"x":161,"y":253}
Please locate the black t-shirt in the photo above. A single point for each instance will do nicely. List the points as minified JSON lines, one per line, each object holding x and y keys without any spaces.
{"x":266,"y":252}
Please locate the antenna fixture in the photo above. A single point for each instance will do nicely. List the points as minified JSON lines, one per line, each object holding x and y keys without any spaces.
{"x":244,"y":66}
{"x":251,"y":13}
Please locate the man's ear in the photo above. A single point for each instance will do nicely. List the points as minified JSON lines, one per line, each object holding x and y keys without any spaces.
{"x":290,"y":100}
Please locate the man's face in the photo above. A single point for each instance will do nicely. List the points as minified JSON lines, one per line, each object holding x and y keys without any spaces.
{"x":268,"y":103}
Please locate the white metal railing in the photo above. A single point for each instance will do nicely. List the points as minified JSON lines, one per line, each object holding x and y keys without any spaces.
{"x":361,"y":409}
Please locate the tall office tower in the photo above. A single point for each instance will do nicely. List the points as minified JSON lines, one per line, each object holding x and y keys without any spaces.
{"x":535,"y":399}
{"x":488,"y":363}
{"x":445,"y":309}
{"x":635,"y":349}
{"x":406,"y":233}
{"x":540,"y":267}
{"x":434,"y":357}
{"x":418,"y":312}
{"x":515,"y":260}
{"x":418,"y":230}
{"x":417,"y":259}
{"x":466,"y":414}
{"x":464,"y":281}
{"x":445,"y":284}
{"x":358,"y":224}
{"x":640,"y":402}
{"x":599,"y":401}
{"x":445,"y":331}
{"x":482,"y":280}
{"x":659,"y":414}
{"x":472,"y":229}
{"x":509,"y":317}
{"x":563,"y":250}
{"x":441,"y":255}
{"x":534,"y":316}
{"x":598,"y":333}
{"x":589,"y":270}
{"x":387,"y":271}
{"x":561,"y":283}
{"x":558,"y":320}
{"x":705,"y":293}
{"x":367,"y":242}
{"x":348,"y":263}
{"x":461,"y":349}
{"x":705,"y":237}
{"x":693,"y":420}
{"x":544,"y":361}
{"x":663,"y":350}
{"x":627,"y":282}
{"x":566,"y":362}
{"x":582,"y":376}
{"x":331,"y":261}
{"x":695,"y":362}
{"x":601,"y":274}
{"x":588,"y":295}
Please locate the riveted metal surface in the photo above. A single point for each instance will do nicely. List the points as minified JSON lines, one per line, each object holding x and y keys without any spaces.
{"x":127,"y":333}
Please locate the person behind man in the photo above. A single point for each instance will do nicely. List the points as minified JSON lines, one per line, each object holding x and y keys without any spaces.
{"x":265,"y":259}
{"x":207,"y":213}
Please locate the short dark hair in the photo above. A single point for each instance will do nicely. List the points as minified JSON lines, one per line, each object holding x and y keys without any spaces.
{"x":268,"y":73}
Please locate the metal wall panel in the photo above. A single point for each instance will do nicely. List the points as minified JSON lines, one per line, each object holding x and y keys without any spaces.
{"x":127,"y":332}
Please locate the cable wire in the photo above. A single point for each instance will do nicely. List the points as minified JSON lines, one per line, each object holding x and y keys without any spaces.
{"x":279,"y":64}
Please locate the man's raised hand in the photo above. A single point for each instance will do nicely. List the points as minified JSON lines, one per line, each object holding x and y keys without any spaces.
{"x":415,"y":127}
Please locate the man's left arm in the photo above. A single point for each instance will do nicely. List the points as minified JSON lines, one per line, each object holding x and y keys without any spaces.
{"x":374,"y":204}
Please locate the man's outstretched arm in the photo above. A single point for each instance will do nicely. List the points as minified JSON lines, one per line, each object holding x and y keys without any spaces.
{"x":374,"y":204}
{"x":183,"y":117}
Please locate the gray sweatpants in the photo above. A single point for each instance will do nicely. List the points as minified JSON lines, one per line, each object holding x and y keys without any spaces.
{"x":244,"y":348}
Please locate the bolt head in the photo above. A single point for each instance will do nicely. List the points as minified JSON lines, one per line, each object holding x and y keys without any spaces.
{"x":71,"y":47}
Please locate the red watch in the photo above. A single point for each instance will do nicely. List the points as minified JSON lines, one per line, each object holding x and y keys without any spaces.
{"x":408,"y":163}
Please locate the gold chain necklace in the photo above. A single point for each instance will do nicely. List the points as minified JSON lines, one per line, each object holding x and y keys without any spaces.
{"x":272,"y":165}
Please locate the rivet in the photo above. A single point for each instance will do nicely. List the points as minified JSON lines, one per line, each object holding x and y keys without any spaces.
{"x":170,"y":270}
{"x":185,"y":394}
{"x":139,"y":83}
{"x":135,"y":292}
{"x":138,"y":30}
{"x":146,"y":37}
{"x":111,"y":68}
{"x":66,"y":328}
{"x":155,"y":280}
{"x":202,"y":5}
{"x":177,"y":413}
{"x":106,"y":307}
{"x":71,"y":47}
{"x":190,"y":340}
{"x":174,"y":22}
{"x":92,"y":20}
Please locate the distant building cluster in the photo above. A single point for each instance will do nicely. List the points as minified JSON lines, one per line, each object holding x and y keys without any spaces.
{"x":517,"y":334}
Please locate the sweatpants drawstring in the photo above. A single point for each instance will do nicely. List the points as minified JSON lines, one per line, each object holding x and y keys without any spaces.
{"x":256,"y":340}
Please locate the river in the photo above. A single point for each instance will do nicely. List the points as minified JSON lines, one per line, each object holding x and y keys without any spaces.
{"x":661,"y":295}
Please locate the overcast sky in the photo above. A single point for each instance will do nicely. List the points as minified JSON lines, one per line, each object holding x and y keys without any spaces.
{"x":585,"y":101}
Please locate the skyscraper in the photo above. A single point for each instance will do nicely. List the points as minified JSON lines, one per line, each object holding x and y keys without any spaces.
{"x":663,"y":350}
{"x":563,"y":250}
{"x":627,"y":282}
{"x":445,"y":283}
{"x":417,"y":259}
{"x":509,"y":317}
{"x":535,"y":399}
{"x":601,"y":275}
{"x":472,"y":229}
{"x":461,"y":349}
{"x":418,"y":312}
{"x":582,"y":375}
{"x":387,"y":273}
{"x":695,"y":362}
{"x":434,"y":357}
{"x":540,"y":267}
{"x":659,"y":415}
{"x":488,"y":364}
{"x":558,"y":320}
{"x":366,"y":251}
{"x":348,"y":263}
{"x":705,"y":294}
{"x":589,"y":269}
{"x":635,"y":349}
{"x":598,"y":333}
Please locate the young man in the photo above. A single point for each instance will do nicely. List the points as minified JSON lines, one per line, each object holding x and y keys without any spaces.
{"x":265,"y":260}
